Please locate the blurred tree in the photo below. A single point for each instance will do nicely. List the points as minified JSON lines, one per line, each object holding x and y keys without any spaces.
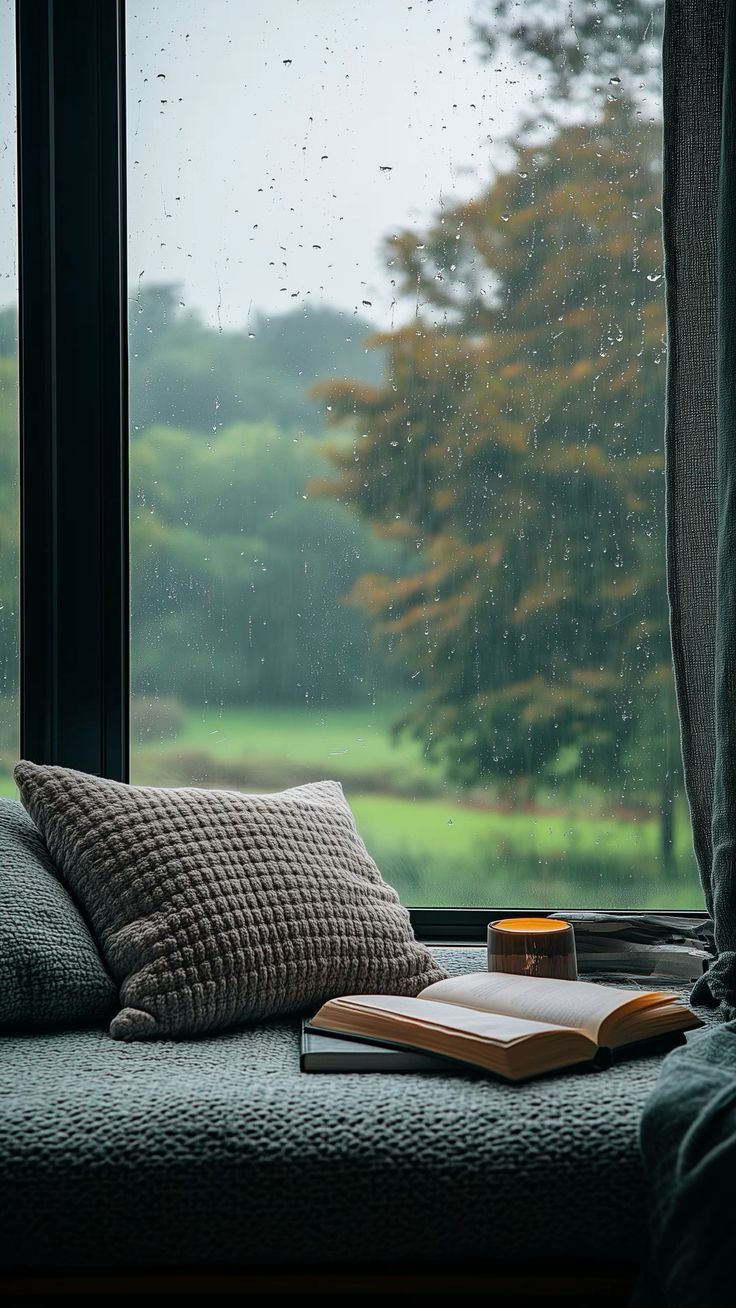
{"x":580,"y":50}
{"x":8,"y":331}
{"x":237,"y":580}
{"x":515,"y":449}
{"x":185,"y":373}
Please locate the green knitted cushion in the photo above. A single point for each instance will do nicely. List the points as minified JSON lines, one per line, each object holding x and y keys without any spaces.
{"x":50,"y":972}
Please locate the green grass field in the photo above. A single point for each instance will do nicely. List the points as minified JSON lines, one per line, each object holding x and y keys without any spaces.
{"x":351,"y":744}
{"x":438,"y":852}
{"x":435,"y":844}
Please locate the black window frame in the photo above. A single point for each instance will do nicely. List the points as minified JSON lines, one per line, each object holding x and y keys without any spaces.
{"x":72,"y":292}
{"x":73,"y":346}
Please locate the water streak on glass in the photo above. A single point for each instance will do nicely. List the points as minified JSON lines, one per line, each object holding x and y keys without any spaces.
{"x":397,"y":369}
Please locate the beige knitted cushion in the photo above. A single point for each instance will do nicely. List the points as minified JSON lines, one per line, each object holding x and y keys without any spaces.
{"x":212,"y":907}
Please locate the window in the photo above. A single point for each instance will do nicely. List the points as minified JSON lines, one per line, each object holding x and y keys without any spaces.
{"x":396,"y":374}
{"x":8,"y":411}
{"x":396,"y":394}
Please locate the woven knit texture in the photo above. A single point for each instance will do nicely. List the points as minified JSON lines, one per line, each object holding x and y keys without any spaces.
{"x":213,"y":908}
{"x":218,"y":1151}
{"x":692,"y":65}
{"x":50,"y":971}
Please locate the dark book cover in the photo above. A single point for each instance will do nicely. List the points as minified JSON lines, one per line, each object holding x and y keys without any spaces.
{"x":321,"y":1051}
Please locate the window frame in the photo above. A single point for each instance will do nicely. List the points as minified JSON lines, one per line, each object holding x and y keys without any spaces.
{"x":73,"y":344}
{"x":72,"y":328}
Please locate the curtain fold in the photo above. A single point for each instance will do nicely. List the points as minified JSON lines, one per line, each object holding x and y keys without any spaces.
{"x":699,"y":223}
{"x":692,"y":58}
{"x":688,"y":1127}
{"x":720,"y":984}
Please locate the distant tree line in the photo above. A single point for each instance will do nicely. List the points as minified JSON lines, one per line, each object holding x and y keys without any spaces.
{"x":185,"y":373}
{"x":237,"y":580}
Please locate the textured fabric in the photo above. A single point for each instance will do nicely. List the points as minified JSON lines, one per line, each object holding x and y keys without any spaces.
{"x":688,"y":1141}
{"x":688,"y":1132}
{"x":700,"y":249}
{"x":213,"y":908}
{"x":692,"y":60}
{"x":720,"y":984}
{"x":50,"y":971}
{"x":220,"y":1152}
{"x":700,"y":258}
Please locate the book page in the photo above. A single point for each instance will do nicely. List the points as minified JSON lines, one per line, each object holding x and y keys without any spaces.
{"x":500,"y":1028}
{"x":579,"y":1004}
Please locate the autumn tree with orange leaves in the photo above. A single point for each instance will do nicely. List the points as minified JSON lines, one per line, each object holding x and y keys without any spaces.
{"x":514,"y":450}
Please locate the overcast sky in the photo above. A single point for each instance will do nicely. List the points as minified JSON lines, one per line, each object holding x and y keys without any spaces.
{"x":273,"y":144}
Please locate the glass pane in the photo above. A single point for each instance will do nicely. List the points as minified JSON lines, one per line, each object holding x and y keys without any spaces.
{"x":8,"y":407}
{"x":396,"y":330}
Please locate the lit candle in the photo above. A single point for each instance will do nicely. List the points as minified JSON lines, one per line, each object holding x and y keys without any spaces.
{"x":532,"y":946}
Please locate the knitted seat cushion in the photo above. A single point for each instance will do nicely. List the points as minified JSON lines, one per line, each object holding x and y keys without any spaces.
{"x":218,"y":1153}
{"x":51,"y":974}
{"x":212,"y":908}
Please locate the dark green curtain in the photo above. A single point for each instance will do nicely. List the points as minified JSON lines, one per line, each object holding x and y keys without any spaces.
{"x":699,"y":207}
{"x":720,"y":984}
{"x":688,"y":1128}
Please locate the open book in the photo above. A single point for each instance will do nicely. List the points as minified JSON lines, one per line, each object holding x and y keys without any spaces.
{"x":515,"y":1026}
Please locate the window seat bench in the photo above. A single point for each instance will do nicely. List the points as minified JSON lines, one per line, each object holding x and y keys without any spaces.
{"x":219,"y":1153}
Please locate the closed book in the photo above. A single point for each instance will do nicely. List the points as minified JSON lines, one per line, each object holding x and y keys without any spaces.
{"x":321,"y":1052}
